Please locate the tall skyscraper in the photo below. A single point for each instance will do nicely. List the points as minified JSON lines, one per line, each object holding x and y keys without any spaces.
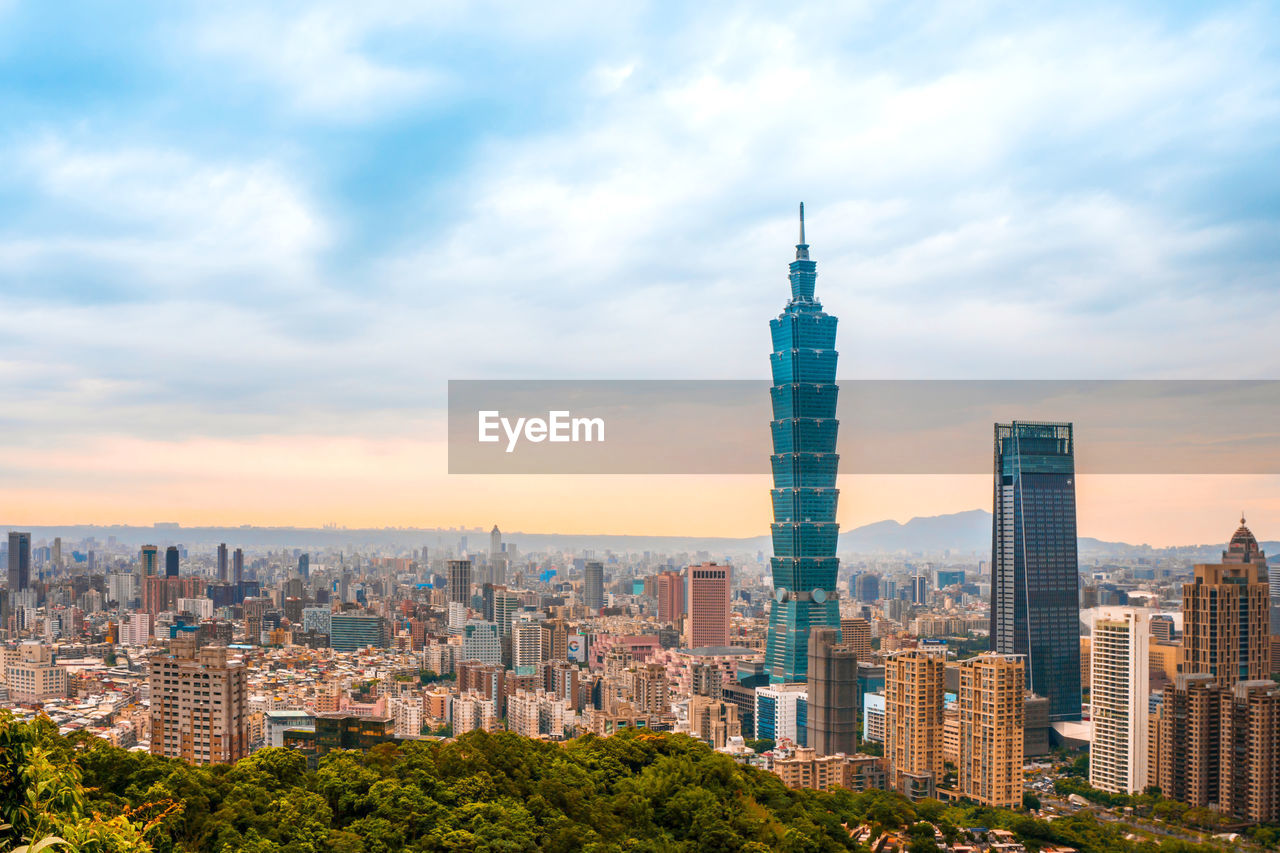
{"x":171,"y":561}
{"x":707,"y":593}
{"x":1035,"y":597}
{"x":804,"y":463}
{"x":198,"y":704}
{"x":19,"y":561}
{"x":460,"y":582}
{"x":913,"y":692}
{"x":920,"y":589}
{"x":593,"y":585}
{"x":149,"y":558}
{"x":237,"y":567}
{"x":222,"y":562}
{"x":304,"y":567}
{"x":1226,"y":619}
{"x":833,"y":693}
{"x":868,"y":588}
{"x":991,"y":707}
{"x":1119,"y":694}
{"x":670,"y":589}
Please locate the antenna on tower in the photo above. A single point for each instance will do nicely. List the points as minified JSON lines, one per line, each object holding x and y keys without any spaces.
{"x":802,"y":224}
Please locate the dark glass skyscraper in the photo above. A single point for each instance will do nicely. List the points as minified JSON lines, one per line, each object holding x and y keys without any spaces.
{"x":1035,"y":604}
{"x":19,"y":561}
{"x":804,"y":465}
{"x":171,"y":561}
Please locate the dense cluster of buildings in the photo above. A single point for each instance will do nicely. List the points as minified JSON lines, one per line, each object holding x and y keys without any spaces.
{"x":936,"y":675}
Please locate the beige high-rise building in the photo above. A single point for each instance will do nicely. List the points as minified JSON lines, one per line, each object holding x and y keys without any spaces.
{"x":198,"y":704}
{"x":713,"y":721}
{"x":1119,"y":694}
{"x":707,"y":590}
{"x":33,"y":676}
{"x":1226,"y":615}
{"x":1187,"y":740}
{"x":991,"y":709}
{"x":649,"y":689}
{"x":1249,"y":779}
{"x":913,"y":690}
{"x":856,"y":632}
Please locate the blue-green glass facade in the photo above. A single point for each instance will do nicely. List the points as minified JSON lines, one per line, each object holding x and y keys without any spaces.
{"x":804,"y":463}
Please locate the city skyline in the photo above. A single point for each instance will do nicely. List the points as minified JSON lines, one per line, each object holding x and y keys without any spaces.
{"x":218,"y":299}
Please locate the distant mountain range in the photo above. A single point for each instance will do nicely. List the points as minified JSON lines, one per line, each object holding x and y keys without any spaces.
{"x":961,"y":533}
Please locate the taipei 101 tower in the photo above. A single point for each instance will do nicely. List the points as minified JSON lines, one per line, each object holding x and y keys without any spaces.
{"x":804,"y":465}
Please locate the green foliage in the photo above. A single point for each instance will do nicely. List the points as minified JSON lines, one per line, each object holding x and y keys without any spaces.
{"x":1030,"y":801}
{"x":427,"y":676}
{"x":763,"y":744}
{"x":43,"y":801}
{"x":637,"y":791}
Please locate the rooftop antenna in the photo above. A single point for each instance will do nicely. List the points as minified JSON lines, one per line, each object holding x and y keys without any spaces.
{"x":802,"y":224}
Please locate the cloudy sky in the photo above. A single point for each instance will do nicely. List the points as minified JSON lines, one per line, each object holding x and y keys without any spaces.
{"x":243,"y":249}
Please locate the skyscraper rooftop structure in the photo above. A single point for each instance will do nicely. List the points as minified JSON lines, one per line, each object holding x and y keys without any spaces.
{"x":804,"y":464}
{"x":1035,"y":598}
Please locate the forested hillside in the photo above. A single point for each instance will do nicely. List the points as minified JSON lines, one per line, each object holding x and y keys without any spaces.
{"x":637,"y":791}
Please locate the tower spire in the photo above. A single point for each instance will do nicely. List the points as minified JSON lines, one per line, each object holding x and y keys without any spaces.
{"x":802,"y":248}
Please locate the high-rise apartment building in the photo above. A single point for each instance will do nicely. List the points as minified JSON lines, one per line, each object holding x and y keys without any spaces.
{"x":833,"y":693}
{"x":593,"y":585}
{"x":1249,"y":786}
{"x":1186,"y":744}
{"x":804,"y":462}
{"x":913,"y":692}
{"x":670,"y":594}
{"x":460,"y":582}
{"x":707,"y":593}
{"x":171,"y":561}
{"x":1226,"y":619}
{"x":198,"y":699}
{"x":650,"y":690}
{"x":1035,"y":600}
{"x":19,"y":561}
{"x":555,"y":640}
{"x":855,"y":632}
{"x":991,"y":708}
{"x":526,"y":644}
{"x":1215,"y":746}
{"x":223,"y":566}
{"x":1119,"y":696}
{"x":237,"y":568}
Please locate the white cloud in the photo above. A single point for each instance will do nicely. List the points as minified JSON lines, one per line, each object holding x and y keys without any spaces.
{"x":318,"y":61}
{"x":167,"y":218}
